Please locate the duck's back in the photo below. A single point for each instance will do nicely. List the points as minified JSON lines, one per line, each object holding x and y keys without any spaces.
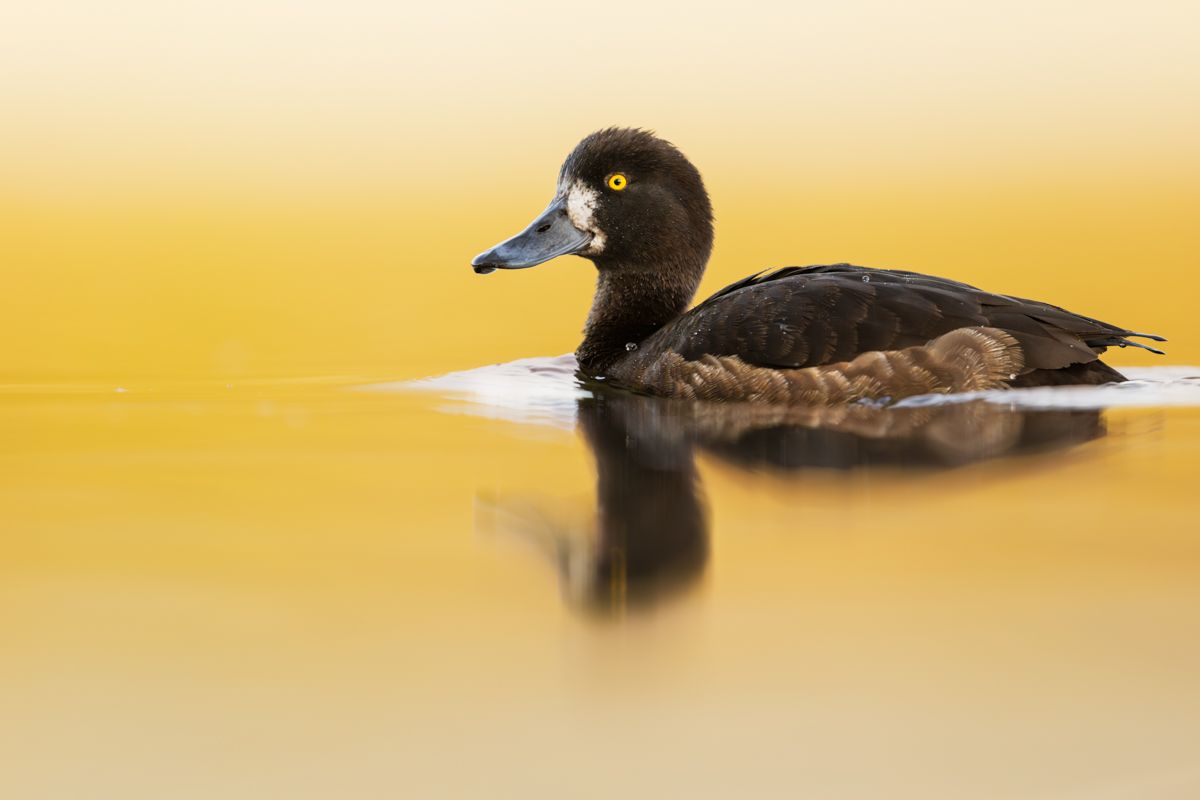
{"x":803,"y":317}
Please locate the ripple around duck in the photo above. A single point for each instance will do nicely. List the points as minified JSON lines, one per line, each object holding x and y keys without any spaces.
{"x":531,"y":390}
{"x":546,"y":390}
{"x":1147,"y":387}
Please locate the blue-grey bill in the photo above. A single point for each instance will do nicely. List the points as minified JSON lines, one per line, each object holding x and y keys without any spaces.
{"x":549,"y":236}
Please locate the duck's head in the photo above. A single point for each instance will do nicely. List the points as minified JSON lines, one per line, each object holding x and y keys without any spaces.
{"x":626,"y":200}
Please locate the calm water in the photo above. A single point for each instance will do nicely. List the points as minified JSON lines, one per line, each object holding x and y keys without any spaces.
{"x":499,"y":583}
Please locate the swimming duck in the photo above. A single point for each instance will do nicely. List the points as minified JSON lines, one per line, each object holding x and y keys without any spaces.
{"x":637,"y":208}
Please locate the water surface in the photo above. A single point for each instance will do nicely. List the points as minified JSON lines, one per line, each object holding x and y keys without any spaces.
{"x":501,"y":583}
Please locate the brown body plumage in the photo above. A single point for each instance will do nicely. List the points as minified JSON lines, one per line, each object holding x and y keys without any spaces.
{"x":798,"y":335}
{"x":964,"y":360}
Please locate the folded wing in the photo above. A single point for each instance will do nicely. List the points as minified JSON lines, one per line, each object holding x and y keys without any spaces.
{"x":811,"y":316}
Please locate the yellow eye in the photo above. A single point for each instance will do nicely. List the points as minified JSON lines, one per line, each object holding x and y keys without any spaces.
{"x":617,"y":182}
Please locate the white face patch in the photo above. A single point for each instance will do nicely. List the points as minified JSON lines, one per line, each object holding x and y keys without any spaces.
{"x":581,"y":210}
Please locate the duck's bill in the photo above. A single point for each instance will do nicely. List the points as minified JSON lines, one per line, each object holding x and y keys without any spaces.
{"x":549,"y":236}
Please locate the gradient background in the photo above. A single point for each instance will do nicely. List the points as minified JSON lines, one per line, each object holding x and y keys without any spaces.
{"x":232,"y":190}
{"x":250,"y":588}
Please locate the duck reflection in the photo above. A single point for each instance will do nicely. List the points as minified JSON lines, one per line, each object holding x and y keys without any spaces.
{"x":651,"y":534}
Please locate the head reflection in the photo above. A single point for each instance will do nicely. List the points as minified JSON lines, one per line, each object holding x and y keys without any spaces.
{"x":651,"y":535}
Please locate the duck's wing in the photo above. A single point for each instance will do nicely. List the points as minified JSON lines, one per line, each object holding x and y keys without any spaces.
{"x":811,"y":316}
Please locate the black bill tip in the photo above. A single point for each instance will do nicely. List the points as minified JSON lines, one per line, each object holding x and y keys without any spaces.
{"x":482,"y":264}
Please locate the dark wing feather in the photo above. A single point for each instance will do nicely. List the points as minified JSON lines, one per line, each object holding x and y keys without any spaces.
{"x":810,"y":316}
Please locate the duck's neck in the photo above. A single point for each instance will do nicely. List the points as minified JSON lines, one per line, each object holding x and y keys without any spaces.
{"x":630,"y":304}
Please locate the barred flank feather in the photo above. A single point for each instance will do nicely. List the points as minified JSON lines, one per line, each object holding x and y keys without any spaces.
{"x":964,"y":360}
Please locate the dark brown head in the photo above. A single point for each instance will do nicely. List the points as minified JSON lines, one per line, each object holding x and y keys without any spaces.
{"x":628,"y":201}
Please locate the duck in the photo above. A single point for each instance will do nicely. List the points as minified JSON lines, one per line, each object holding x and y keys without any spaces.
{"x":636,"y":207}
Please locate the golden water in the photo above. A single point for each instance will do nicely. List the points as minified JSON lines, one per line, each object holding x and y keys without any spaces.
{"x":303,"y":589}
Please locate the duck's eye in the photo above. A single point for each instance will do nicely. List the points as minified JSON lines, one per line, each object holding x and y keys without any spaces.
{"x":617,"y":182}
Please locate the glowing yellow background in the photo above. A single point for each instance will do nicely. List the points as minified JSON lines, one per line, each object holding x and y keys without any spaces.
{"x":227,"y":189}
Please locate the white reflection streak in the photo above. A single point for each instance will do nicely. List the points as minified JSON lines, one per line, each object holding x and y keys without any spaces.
{"x":545,"y":390}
